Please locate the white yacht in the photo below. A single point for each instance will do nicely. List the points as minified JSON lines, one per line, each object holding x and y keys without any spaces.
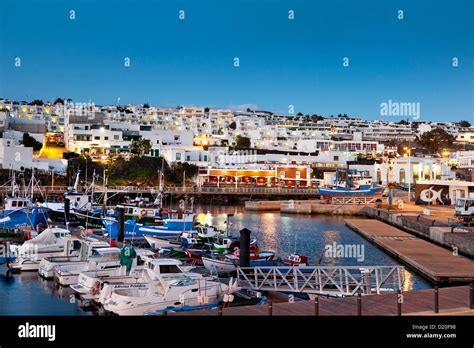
{"x":90,"y":282}
{"x":51,"y":242}
{"x":100,"y":259}
{"x":48,"y":265}
{"x":167,"y":287}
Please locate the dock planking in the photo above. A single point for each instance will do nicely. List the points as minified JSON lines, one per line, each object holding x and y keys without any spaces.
{"x":432,"y":261}
{"x":419,"y":302}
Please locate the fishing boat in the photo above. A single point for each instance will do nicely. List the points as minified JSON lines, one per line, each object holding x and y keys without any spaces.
{"x":174,"y":223}
{"x":19,"y":210}
{"x":48,"y":265}
{"x":228,"y":263}
{"x":103,"y":258}
{"x":79,"y":202}
{"x":351,"y":184}
{"x":363,"y":190}
{"x":168,"y":287}
{"x":295,"y":260}
{"x":51,"y":242}
{"x":90,"y":282}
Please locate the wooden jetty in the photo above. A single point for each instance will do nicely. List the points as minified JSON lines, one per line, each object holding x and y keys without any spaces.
{"x":451,"y":301}
{"x":432,"y":261}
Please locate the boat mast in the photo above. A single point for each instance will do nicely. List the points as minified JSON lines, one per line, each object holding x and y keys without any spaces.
{"x":104,"y":204}
{"x":14,"y":185}
{"x":93,"y":187}
{"x":76,"y":182}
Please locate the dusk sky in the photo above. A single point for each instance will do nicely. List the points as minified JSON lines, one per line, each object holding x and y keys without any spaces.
{"x":282,"y":62}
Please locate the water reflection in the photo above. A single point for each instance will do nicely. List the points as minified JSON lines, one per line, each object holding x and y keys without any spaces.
{"x":308,"y":235}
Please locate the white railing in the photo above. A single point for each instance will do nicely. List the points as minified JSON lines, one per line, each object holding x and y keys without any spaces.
{"x":325,"y":280}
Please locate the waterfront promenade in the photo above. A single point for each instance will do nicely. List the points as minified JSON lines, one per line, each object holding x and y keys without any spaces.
{"x":432,"y":261}
{"x":451,"y":301}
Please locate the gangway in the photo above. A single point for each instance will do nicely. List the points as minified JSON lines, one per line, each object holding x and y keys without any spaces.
{"x":322,"y":280}
{"x":355,"y":199}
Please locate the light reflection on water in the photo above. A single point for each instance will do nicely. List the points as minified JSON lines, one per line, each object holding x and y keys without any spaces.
{"x":304,"y":234}
{"x":28,"y":294}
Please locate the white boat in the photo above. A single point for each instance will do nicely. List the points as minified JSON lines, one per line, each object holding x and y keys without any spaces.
{"x":51,"y":242}
{"x":48,"y":265}
{"x":219,"y":266}
{"x":90,"y":282}
{"x":103,"y":258}
{"x":157,"y":243}
{"x":167,"y":288}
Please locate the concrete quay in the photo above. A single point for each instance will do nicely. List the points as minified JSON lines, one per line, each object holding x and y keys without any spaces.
{"x":306,"y":207}
{"x":435,"y":263}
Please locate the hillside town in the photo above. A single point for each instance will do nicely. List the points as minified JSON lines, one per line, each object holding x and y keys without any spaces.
{"x":235,"y":147}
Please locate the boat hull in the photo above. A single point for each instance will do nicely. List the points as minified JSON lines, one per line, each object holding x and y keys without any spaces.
{"x":341,"y":192}
{"x":133,"y":230}
{"x":29,"y":216}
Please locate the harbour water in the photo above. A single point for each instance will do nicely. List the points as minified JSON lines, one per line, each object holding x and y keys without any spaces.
{"x":28,"y":294}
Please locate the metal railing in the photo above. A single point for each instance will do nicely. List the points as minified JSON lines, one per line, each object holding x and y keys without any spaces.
{"x":183,"y":190}
{"x":324,"y":280}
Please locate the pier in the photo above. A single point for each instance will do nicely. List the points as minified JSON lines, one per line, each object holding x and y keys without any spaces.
{"x":446,"y":301}
{"x":435,"y":263}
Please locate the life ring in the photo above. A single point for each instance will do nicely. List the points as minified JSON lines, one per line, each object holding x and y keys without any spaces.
{"x":60,"y":199}
{"x":142,"y":212}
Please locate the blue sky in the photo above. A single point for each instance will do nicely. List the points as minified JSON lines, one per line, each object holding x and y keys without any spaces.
{"x":282,"y":62}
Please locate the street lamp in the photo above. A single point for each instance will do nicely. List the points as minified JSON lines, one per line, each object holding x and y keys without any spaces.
{"x":408,"y":153}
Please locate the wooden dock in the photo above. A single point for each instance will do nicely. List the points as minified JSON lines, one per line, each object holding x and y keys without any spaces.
{"x":432,"y":261}
{"x":451,"y":301}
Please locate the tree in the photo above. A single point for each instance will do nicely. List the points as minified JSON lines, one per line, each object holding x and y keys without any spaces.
{"x":140,"y":147}
{"x":177,"y":172}
{"x":59,"y":101}
{"x":242,"y":142}
{"x":36,"y":102}
{"x":233,"y":125}
{"x":403,"y":122}
{"x":146,"y":106}
{"x":436,"y":140}
{"x":29,"y":141}
{"x":206,"y":110}
{"x":249,"y":110}
{"x":464,"y":124}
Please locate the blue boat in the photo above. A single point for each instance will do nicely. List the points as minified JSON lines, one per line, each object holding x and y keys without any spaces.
{"x":363,"y":190}
{"x":20,"y":212}
{"x":171,"y":228}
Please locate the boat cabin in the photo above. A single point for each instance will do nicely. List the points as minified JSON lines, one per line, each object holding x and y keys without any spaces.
{"x":15,"y":203}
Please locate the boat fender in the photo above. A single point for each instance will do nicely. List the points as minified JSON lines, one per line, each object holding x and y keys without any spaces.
{"x":96,"y":288}
{"x":60,"y":199}
{"x":142,"y":213}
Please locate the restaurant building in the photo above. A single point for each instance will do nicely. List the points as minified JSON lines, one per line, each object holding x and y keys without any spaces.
{"x":280,"y":175}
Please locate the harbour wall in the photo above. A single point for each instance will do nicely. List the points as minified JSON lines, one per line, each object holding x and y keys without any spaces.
{"x":305,"y":207}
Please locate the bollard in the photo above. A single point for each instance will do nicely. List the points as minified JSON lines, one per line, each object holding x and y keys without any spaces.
{"x":471,"y":292}
{"x":165,"y":313}
{"x":219,"y":310}
{"x":316,"y":305}
{"x":359,"y":303}
{"x":436,"y":293}
{"x":270,"y":308}
{"x":399,"y":303}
